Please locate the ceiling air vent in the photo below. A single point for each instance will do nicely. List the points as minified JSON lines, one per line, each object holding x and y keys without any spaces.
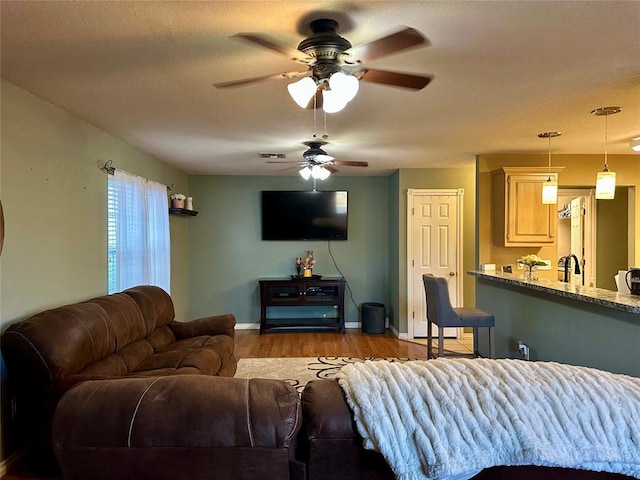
{"x":272,"y":155}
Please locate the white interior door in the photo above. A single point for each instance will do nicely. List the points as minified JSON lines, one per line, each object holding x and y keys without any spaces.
{"x":434,"y":234}
{"x":577,"y":238}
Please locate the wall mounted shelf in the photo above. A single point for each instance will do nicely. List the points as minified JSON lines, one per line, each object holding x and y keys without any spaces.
{"x":182,"y":211}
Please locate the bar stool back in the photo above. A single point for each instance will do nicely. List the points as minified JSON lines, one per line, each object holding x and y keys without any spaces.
{"x":441,"y":313}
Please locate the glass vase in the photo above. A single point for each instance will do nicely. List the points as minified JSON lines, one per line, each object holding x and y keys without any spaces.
{"x":531,"y":273}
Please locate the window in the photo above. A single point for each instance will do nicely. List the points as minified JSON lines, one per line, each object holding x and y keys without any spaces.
{"x":137,"y":232}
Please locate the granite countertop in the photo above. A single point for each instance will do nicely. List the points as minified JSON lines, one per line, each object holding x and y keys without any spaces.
{"x":598,"y":296}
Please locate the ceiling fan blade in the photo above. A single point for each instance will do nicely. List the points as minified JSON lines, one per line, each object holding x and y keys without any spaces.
{"x":331,"y":169}
{"x":395,"y":79}
{"x":299,"y":162}
{"x":286,"y":169}
{"x":346,"y":163}
{"x":292,"y":53}
{"x":273,"y":76}
{"x":401,"y":40}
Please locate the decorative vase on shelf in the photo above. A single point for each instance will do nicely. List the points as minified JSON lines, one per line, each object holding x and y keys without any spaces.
{"x":177,"y":203}
{"x":189,"y":203}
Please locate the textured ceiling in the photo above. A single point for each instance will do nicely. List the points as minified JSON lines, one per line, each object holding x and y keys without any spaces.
{"x":503,"y":72}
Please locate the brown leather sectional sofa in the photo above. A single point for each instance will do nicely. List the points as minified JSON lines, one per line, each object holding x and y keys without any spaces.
{"x":150,"y":401}
{"x":125,"y":335}
{"x":332,"y":447}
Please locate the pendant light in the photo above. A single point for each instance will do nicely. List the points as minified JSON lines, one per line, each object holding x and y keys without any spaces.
{"x":606,"y":180}
{"x":550,"y":187}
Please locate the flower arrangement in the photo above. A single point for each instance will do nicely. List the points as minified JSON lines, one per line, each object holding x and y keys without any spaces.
{"x":178,"y":196}
{"x":531,"y":260}
{"x":305,"y":265}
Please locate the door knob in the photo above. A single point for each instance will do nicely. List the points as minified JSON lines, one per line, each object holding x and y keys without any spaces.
{"x":452,"y":274}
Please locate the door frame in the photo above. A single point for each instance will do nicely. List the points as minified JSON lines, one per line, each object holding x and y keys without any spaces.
{"x":414,"y":192}
{"x":591,"y":222}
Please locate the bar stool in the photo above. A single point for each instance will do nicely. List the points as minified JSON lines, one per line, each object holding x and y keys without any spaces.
{"x":441,"y":313}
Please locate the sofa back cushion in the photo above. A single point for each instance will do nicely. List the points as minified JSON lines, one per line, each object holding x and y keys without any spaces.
{"x":56,"y":343}
{"x":109,"y":334}
{"x":155,"y":304}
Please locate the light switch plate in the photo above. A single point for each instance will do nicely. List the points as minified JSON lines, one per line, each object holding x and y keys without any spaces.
{"x":545,"y":267}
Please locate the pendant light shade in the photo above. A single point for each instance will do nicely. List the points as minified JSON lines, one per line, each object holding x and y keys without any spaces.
{"x":606,"y":180}
{"x":605,"y":185}
{"x":550,"y":187}
{"x":549,"y":192}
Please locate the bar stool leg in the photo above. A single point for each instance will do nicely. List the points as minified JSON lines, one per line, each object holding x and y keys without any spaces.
{"x":440,"y":342}
{"x":429,"y":341}
{"x":475,"y":342}
{"x":492,"y":342}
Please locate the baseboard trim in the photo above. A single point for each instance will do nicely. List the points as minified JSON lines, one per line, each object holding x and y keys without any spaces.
{"x":247,"y":326}
{"x":256,"y":326}
{"x":5,"y":464}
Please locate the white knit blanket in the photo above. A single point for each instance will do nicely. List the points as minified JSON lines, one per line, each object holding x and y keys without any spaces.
{"x":451,"y":418}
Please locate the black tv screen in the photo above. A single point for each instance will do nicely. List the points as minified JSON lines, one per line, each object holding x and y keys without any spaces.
{"x":304,"y":215}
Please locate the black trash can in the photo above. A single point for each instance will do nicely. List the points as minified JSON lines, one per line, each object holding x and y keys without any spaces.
{"x":372,"y":317}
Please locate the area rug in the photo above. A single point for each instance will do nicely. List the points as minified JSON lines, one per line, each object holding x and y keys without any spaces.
{"x":297,"y":371}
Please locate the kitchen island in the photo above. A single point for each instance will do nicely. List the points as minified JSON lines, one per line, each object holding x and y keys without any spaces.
{"x":562,"y":322}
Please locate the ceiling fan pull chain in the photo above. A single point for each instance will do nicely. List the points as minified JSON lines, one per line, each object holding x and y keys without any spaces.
{"x":326,"y":135}
{"x":315,"y":104}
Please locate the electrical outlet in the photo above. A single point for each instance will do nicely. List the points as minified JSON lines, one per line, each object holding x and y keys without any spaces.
{"x":524,"y":350}
{"x":14,"y":407}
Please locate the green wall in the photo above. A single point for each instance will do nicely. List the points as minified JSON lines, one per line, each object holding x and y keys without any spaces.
{"x":227,"y":255}
{"x":611,"y":234}
{"x":54,"y":200}
{"x":560,"y":329}
{"x":464,"y":178}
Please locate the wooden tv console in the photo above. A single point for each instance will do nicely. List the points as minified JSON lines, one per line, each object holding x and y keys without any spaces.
{"x":318,"y":302}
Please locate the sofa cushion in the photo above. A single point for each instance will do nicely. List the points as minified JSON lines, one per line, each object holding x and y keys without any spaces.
{"x":204,"y":360}
{"x":155,"y":304}
{"x":124,"y":318}
{"x":56,"y":343}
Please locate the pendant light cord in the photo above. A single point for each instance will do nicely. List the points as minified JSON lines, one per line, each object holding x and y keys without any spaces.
{"x":549,"y":168}
{"x":606,"y":164}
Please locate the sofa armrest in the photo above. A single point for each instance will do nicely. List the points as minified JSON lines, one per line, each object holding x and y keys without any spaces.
{"x":178,"y":427}
{"x":326,"y":412}
{"x":214,"y":325}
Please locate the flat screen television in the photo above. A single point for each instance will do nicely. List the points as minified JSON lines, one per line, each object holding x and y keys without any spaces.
{"x":304,"y":215}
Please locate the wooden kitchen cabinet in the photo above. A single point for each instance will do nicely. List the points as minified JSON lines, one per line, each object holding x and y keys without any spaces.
{"x":520,"y":219}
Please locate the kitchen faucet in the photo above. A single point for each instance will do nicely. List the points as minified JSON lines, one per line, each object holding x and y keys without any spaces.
{"x":567,"y":259}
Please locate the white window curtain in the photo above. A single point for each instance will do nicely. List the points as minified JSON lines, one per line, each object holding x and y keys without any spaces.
{"x":139,"y":247}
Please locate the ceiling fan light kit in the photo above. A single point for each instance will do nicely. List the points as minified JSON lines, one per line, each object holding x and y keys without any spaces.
{"x":302,"y":91}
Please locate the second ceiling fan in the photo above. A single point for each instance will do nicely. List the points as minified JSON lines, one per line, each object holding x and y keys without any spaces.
{"x":334,"y":67}
{"x":317,"y":163}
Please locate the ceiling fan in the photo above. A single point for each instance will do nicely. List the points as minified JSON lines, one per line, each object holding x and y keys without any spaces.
{"x":334,"y":67}
{"x":317,"y":163}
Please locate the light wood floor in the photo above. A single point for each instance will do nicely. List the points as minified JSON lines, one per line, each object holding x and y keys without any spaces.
{"x":250,"y":344}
